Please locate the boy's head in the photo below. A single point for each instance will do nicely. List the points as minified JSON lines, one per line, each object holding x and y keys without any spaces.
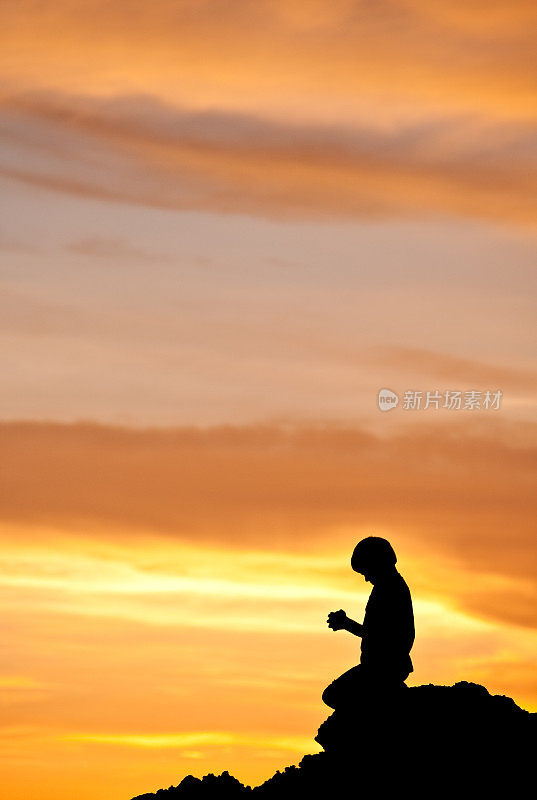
{"x":373,"y":557}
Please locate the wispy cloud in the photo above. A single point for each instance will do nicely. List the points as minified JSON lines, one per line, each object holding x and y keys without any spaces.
{"x":140,"y":150}
{"x":451,"y":492}
{"x":298,"y":744}
{"x":445,"y":367}
{"x":306,"y":55}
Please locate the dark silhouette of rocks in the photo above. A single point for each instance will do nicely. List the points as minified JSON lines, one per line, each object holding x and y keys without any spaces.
{"x":426,"y":741}
{"x":222,"y":786}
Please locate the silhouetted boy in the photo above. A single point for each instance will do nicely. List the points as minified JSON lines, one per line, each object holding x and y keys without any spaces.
{"x":387,"y":631}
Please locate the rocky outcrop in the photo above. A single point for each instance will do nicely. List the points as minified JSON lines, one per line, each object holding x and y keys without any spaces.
{"x":426,"y":741}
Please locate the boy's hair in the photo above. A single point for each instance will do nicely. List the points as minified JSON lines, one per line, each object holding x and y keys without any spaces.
{"x":373,"y":552}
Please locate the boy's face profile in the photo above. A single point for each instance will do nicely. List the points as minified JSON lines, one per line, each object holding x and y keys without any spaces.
{"x":373,"y":557}
{"x":361,"y":566}
{"x":365,"y":570}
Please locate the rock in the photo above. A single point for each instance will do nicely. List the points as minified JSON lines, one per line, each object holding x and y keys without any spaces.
{"x":428,"y":741}
{"x":223,"y":786}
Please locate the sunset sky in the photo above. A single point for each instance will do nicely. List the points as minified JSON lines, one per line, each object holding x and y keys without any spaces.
{"x":225,"y":226}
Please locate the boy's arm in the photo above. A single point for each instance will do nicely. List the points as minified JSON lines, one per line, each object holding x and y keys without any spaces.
{"x":339,"y":621}
{"x":353,"y":627}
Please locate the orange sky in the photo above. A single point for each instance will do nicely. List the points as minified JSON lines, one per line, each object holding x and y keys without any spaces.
{"x":225,"y":226}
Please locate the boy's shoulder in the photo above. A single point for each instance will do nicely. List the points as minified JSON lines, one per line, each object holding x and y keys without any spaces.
{"x":397,"y":583}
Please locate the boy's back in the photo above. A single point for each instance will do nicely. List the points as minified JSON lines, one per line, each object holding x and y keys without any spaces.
{"x":388,"y":628}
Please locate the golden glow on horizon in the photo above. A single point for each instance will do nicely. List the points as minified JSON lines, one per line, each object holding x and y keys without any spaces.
{"x":77,"y":584}
{"x":196,"y":739}
{"x":89,"y":585}
{"x":197,"y":609}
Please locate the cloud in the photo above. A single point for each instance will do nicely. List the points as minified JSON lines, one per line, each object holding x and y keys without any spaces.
{"x":305,"y":58}
{"x":197,"y":739}
{"x":137,"y":149}
{"x":459,"y":495}
{"x":482,"y":18}
{"x":111,"y":248}
{"x":445,"y":367}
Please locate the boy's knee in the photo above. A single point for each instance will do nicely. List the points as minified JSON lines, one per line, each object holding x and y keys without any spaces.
{"x":329,"y":696}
